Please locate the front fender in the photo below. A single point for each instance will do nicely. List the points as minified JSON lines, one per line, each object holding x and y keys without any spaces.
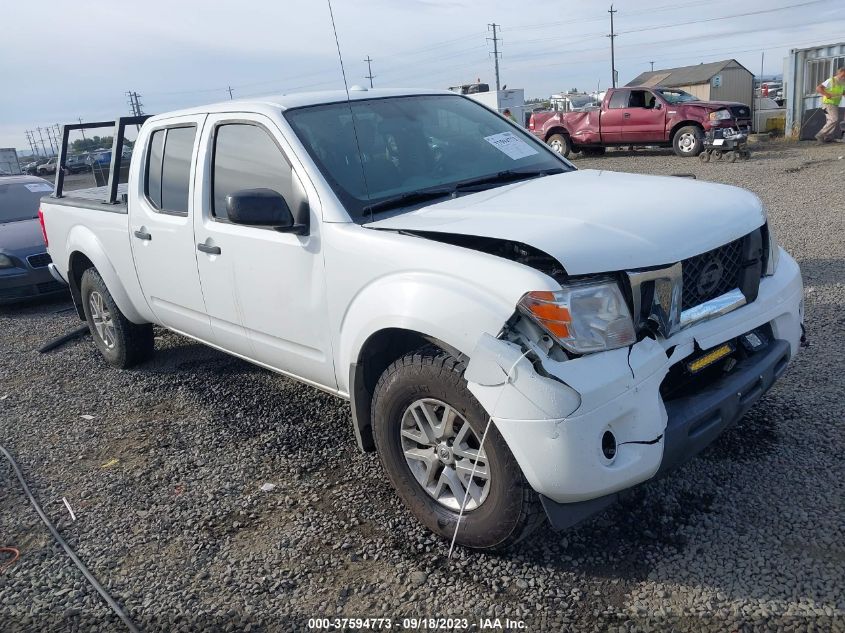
{"x":82,"y":240}
{"x":433,"y":304}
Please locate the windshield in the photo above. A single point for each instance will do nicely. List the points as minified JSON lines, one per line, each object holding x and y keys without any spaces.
{"x":413,"y":144}
{"x":676,"y":96}
{"x":19,"y":201}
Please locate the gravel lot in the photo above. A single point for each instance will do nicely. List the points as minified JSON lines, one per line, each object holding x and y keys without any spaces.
{"x":165,"y":480}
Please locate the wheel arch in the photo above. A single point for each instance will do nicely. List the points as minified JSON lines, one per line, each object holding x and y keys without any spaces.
{"x":86,"y":251}
{"x":379,"y":350}
{"x":558,"y":129}
{"x":684,"y":123}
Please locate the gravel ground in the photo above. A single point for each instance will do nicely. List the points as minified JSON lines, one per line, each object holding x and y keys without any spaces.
{"x":163,"y":466}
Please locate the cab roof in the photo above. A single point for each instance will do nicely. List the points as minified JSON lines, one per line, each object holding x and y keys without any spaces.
{"x":296,"y":100}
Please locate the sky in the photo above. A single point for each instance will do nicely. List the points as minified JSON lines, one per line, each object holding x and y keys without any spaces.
{"x":63,"y":59}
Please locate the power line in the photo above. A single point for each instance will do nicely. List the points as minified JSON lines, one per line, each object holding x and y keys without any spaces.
{"x":496,"y":53}
{"x":369,"y":74}
{"x":725,"y":17}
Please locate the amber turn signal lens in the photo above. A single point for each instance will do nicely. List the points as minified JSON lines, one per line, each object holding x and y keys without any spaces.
{"x":550,"y":314}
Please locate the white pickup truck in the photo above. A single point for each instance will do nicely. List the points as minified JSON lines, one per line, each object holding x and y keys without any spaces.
{"x":515,"y":336}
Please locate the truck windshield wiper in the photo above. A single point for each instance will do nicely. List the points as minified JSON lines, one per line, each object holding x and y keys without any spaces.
{"x":407,"y":198}
{"x":510,"y":175}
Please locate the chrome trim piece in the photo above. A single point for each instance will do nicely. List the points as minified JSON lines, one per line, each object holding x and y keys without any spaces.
{"x":728,"y":302}
{"x":55,"y":273}
{"x":665,"y":309}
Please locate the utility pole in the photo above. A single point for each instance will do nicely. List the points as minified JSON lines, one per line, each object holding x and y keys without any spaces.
{"x":496,"y":53}
{"x":41,"y":136}
{"x":50,"y":135}
{"x":369,"y":71}
{"x":229,"y":88}
{"x":652,"y":66}
{"x":31,"y":141}
{"x":612,"y":37}
{"x":134,"y":103}
{"x":83,"y":131}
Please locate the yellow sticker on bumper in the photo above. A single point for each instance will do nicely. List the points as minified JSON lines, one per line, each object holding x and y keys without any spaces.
{"x":710,"y":357}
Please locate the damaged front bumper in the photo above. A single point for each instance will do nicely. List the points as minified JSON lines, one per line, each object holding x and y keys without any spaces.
{"x":554,"y":417}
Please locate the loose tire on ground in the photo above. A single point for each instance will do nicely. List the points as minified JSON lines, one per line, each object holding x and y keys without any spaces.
{"x":121,"y":342}
{"x":704,"y":157}
{"x":509,"y":511}
{"x":688,"y":142}
{"x":561,"y":144}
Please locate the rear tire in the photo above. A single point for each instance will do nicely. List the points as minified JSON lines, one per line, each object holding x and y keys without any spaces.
{"x":688,"y":142}
{"x":503,"y":509}
{"x":121,"y":342}
{"x":561,"y":144}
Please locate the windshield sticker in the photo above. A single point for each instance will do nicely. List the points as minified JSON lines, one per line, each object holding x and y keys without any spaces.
{"x":510,"y":144}
{"x":39,"y":186}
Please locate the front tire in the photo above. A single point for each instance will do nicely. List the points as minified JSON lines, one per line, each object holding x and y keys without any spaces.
{"x":121,"y":342}
{"x":427,"y":428}
{"x":561,"y":144}
{"x":688,"y":142}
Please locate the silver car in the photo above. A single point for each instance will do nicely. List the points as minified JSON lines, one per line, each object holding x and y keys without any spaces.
{"x":23,"y":253}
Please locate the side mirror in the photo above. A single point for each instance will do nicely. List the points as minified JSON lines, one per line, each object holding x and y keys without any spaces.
{"x":658,"y":105}
{"x":262,"y":207}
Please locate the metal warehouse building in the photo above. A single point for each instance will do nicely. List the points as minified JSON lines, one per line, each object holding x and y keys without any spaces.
{"x":726,"y":80}
{"x":803,"y":71}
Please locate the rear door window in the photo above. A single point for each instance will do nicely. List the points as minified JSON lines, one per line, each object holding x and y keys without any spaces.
{"x":169,"y":169}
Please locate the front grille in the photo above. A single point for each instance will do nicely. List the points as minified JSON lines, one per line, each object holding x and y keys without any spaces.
{"x":741,"y":112}
{"x":40,"y":260}
{"x":712,"y":274}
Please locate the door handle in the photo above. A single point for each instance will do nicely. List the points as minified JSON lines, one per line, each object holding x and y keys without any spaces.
{"x":627,"y":115}
{"x":143,"y":235}
{"x":211,"y":250}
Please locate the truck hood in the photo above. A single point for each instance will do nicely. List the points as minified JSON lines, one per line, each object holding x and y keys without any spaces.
{"x":597,"y":221}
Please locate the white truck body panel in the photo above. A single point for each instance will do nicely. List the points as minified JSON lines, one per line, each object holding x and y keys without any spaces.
{"x":602,"y":221}
{"x":306,"y":305}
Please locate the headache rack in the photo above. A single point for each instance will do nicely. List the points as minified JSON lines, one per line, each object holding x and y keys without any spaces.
{"x":108,"y":192}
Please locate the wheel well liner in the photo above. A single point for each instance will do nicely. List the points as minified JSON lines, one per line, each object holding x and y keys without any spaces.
{"x":678,"y":126}
{"x":77,"y":265}
{"x":557,"y":130}
{"x":379,"y":350}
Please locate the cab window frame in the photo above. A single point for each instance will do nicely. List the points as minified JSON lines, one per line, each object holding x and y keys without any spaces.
{"x":158,"y":206}
{"x":293,"y":205}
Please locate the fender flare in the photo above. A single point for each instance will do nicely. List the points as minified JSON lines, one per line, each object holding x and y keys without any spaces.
{"x":411,"y":302}
{"x":82,"y":240}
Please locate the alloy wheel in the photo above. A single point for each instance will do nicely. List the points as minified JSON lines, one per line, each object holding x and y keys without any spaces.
{"x":441,"y":450}
{"x":101,"y":317}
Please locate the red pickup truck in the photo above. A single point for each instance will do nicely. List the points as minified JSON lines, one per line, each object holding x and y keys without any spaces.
{"x":639,"y":116}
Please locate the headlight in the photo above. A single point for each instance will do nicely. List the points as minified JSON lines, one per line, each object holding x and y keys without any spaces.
{"x":589,"y":317}
{"x":774,"y":252}
{"x":720,"y":115}
{"x":6,"y":261}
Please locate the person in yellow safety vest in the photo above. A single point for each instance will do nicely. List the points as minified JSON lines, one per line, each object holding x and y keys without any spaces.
{"x":831,"y":92}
